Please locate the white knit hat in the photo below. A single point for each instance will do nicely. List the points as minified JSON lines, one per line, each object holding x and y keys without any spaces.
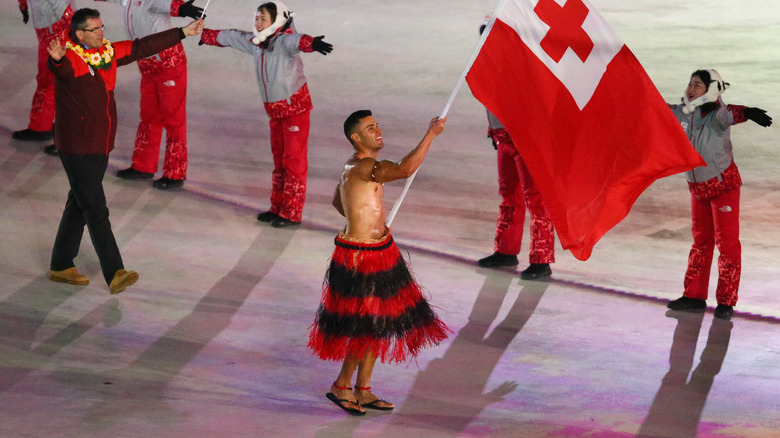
{"x":715,"y":88}
{"x":282,"y":15}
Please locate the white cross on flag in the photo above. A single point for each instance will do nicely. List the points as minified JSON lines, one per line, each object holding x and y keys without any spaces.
{"x":591,"y":127}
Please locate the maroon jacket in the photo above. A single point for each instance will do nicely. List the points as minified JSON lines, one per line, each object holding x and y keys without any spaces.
{"x":84,"y":97}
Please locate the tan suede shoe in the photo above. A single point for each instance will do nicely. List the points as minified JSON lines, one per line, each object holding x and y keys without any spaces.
{"x":121,"y":280}
{"x":70,"y":276}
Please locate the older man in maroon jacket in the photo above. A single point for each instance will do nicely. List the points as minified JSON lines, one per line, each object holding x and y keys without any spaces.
{"x":85,"y":76}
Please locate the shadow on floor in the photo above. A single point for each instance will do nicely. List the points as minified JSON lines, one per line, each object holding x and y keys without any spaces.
{"x":679,"y":402}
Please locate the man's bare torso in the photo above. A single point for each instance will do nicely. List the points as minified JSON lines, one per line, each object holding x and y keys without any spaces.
{"x":362,"y":200}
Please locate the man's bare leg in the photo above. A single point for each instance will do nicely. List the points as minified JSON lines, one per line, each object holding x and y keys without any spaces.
{"x":341,"y":387}
{"x":364,"y":395}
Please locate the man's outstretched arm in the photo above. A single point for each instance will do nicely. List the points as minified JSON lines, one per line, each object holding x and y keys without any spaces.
{"x":386,"y":170}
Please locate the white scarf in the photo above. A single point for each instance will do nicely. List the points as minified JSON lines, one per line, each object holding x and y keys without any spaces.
{"x":282,"y":15}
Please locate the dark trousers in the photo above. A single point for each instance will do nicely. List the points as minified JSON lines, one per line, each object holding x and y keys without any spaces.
{"x":86,"y":205}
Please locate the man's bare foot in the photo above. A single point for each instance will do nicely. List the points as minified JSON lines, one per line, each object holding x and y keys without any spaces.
{"x":368,"y":400}
{"x":345,"y":399}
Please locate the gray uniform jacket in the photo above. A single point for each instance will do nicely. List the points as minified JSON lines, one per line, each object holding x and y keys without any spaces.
{"x":493,"y":122}
{"x":44,"y":13}
{"x":710,"y":135}
{"x":278,"y":67}
{"x":145,"y":17}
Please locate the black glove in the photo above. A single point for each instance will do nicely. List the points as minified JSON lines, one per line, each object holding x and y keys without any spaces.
{"x":25,"y":15}
{"x":759,"y":116}
{"x":190,"y":10}
{"x":318,"y":45}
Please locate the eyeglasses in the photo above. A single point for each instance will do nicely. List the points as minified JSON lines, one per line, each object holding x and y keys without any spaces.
{"x":101,"y":28}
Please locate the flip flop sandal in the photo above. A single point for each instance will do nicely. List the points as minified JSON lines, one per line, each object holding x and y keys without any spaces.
{"x":374,"y":404}
{"x":340,"y":402}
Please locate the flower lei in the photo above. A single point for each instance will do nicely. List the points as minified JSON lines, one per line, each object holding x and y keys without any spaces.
{"x":99,"y":59}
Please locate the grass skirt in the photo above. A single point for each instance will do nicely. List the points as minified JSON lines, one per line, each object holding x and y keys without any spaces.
{"x":371,"y":302}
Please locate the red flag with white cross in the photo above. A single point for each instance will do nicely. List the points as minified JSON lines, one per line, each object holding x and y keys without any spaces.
{"x":588,"y":122}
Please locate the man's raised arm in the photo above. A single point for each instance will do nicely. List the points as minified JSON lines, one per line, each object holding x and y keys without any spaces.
{"x":386,"y":170}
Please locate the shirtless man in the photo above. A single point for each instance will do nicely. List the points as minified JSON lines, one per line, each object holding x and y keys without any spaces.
{"x":371,"y":306}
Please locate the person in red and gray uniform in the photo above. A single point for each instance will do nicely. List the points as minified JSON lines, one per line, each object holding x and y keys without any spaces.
{"x":276,"y":47}
{"x":163,"y":93}
{"x":715,"y":190}
{"x":85,"y":76}
{"x":518,"y":192}
{"x":51,"y":19}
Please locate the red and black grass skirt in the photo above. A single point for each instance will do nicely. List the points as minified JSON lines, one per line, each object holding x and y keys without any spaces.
{"x":371,"y":302}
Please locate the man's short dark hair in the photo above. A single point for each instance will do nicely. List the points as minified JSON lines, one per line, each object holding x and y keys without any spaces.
{"x":353,"y":120}
{"x":79,"y":20}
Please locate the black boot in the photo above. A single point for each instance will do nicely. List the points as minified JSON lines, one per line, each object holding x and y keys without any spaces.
{"x":498,"y":259}
{"x":30,"y":135}
{"x":724,"y":312}
{"x":51,"y":150}
{"x":267,"y":216}
{"x":131,"y":173}
{"x":536,"y":271}
{"x":280,"y":222}
{"x":685,"y":303}
{"x":166,"y":183}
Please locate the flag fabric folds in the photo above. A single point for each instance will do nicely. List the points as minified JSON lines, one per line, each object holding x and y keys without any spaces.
{"x":590,"y":125}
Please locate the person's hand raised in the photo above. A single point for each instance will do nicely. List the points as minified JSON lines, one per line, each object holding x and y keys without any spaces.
{"x":319,"y":45}
{"x":56,"y":50}
{"x":437,"y":126}
{"x":194,"y":28}
{"x":759,"y":116}
{"x":187,"y":9}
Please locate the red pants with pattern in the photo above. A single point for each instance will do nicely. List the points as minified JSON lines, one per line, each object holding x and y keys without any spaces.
{"x":42,"y":109}
{"x":289,"y":146}
{"x":715,"y":221}
{"x":518,"y":192}
{"x":163,"y":105}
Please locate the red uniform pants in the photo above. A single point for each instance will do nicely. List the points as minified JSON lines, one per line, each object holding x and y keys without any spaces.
{"x":518,"y":192}
{"x":163,"y":105}
{"x":715,"y":221}
{"x":42,"y":109}
{"x":289,"y":146}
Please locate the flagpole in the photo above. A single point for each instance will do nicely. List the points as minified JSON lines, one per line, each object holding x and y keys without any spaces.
{"x":204,"y":10}
{"x":446,"y":109}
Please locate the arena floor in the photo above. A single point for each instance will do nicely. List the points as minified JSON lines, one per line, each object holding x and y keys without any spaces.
{"x":211,"y":341}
